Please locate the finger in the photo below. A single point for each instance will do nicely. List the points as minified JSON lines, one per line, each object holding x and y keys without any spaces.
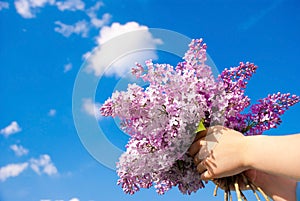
{"x":200,"y":134}
{"x":197,"y":159}
{"x":206,"y":175}
{"x":196,"y":146}
{"x":201,"y":167}
{"x":201,"y":155}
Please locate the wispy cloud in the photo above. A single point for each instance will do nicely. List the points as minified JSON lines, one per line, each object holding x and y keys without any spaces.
{"x":98,"y":23}
{"x":83,"y":27}
{"x":80,"y":28}
{"x":52,"y":112}
{"x":4,"y":5}
{"x":71,"y":5}
{"x":91,"y":108}
{"x":68,"y":67}
{"x":74,"y":199}
{"x":256,"y":17}
{"x":92,"y":11}
{"x":95,"y":21}
{"x":130,"y":48}
{"x":12,"y":170}
{"x":19,"y":150}
{"x":43,"y":165}
{"x":29,"y":8}
{"x":12,"y":128}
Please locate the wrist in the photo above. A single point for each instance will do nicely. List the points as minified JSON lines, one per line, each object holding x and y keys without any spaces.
{"x":249,"y":152}
{"x":277,"y":187}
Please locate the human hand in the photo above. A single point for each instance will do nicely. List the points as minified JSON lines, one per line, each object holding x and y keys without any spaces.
{"x":227,"y":158}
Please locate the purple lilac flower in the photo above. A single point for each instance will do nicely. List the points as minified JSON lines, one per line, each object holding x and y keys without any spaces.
{"x":266,"y":114}
{"x":161,"y":119}
{"x":235,"y":81}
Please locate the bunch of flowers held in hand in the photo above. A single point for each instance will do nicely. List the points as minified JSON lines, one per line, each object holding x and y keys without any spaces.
{"x":163,"y":118}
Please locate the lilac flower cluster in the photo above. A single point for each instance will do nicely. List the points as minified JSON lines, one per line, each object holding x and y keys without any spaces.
{"x":161,"y":118}
{"x":266,"y":114}
{"x":263,"y":115}
{"x":235,"y":81}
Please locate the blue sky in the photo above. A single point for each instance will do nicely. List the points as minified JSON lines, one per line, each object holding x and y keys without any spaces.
{"x":48,"y":138}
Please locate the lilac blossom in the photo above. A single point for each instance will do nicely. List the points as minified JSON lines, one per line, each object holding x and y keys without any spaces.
{"x":161,"y":118}
{"x":266,"y":114}
{"x":235,"y":81}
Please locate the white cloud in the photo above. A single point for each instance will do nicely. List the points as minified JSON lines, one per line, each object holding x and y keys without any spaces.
{"x":71,"y":5}
{"x":80,"y":28}
{"x":28,"y":8}
{"x":94,"y":9}
{"x":68,"y":67}
{"x":43,"y":165}
{"x":114,"y":43}
{"x":19,"y":150}
{"x":52,"y":113}
{"x":98,"y":23}
{"x":83,"y":27}
{"x":74,"y":199}
{"x":12,"y":170}
{"x":91,"y":108}
{"x":12,"y":128}
{"x":4,"y":5}
{"x":95,"y":21}
{"x":23,"y":8}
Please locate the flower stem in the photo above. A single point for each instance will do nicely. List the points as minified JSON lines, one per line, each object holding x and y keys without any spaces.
{"x":237,"y":189}
{"x":230,"y":183}
{"x":227,"y":190}
{"x":248,"y":184}
{"x":230,"y":196}
{"x":263,"y":193}
{"x":216,"y":189}
{"x":243,"y":196}
{"x":226,"y":196}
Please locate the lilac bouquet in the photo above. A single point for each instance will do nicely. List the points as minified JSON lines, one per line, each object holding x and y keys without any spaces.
{"x":164,"y":117}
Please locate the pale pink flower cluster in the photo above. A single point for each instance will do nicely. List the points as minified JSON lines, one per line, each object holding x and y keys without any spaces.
{"x":161,"y":118}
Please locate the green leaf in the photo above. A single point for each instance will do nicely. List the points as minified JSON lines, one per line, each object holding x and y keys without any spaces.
{"x":200,"y":127}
